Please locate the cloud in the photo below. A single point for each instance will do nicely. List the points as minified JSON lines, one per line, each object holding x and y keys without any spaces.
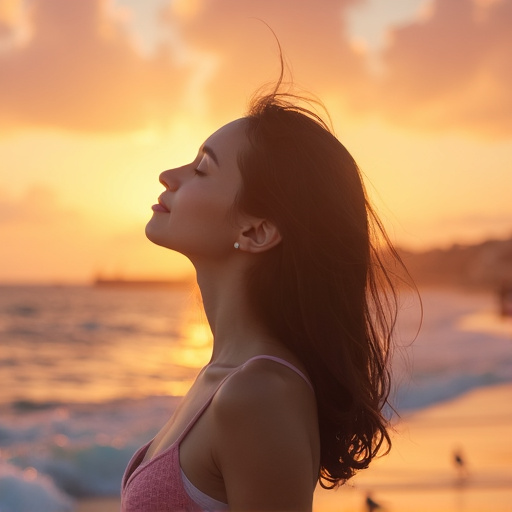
{"x":245,"y":54}
{"x":451,"y":70}
{"x":80,"y":70}
{"x":448,"y":71}
{"x":38,"y":205}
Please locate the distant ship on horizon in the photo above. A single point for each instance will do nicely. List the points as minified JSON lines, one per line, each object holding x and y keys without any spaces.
{"x":122,"y":282}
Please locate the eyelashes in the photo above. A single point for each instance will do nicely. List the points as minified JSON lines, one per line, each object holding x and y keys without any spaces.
{"x":201,"y":172}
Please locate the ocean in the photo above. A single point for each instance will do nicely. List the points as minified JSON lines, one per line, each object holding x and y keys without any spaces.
{"x":88,"y":374}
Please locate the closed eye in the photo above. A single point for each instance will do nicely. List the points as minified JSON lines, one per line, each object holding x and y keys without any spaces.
{"x":201,"y":167}
{"x":207,"y":150}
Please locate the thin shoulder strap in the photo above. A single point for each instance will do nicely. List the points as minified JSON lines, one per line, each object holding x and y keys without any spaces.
{"x":284,"y":363}
{"x":205,"y":405}
{"x":236,"y":370}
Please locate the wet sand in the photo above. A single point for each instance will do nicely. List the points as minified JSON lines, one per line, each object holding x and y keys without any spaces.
{"x":420,"y":473}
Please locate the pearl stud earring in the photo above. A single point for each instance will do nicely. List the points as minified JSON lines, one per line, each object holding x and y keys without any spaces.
{"x":237,"y":245}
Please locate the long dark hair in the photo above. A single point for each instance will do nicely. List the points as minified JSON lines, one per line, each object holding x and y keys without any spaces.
{"x":324,"y":291}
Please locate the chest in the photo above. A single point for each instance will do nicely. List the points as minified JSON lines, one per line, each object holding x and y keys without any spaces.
{"x":191,"y":411}
{"x":188,"y":433}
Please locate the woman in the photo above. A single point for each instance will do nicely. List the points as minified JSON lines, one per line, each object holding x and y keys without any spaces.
{"x":274,"y":217}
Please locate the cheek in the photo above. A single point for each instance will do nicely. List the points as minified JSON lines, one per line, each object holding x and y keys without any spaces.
{"x":202,"y":220}
{"x":210,"y":204}
{"x":199,"y":207}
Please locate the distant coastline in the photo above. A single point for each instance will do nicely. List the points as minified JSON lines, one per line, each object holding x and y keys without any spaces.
{"x":484,"y":266}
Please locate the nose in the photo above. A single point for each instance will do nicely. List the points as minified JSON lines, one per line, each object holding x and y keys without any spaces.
{"x":170,"y":179}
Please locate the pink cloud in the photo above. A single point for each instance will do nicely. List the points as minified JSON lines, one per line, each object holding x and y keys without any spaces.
{"x":80,"y":71}
{"x":312,"y":35}
{"x":452,"y":70}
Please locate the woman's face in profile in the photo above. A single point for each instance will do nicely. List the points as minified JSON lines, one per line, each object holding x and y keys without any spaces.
{"x":193,"y":214}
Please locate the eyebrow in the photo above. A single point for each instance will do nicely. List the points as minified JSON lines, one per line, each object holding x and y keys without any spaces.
{"x":209,"y":151}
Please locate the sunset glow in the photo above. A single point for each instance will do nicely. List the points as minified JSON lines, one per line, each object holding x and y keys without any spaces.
{"x":98,"y":97}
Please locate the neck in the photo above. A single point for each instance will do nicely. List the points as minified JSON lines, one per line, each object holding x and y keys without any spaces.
{"x":237,"y":333}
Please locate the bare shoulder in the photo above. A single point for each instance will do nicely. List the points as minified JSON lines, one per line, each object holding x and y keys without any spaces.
{"x":264,"y":384}
{"x":265,"y":427}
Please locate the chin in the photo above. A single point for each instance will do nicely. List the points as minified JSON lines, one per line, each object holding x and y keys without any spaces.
{"x":153,"y":234}
{"x":159,"y":237}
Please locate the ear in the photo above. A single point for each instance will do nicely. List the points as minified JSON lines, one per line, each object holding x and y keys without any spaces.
{"x":259,"y":235}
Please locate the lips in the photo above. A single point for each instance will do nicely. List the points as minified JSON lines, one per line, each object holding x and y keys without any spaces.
{"x":160,"y":207}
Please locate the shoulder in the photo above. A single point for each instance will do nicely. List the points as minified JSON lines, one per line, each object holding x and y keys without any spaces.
{"x":265,"y":404}
{"x":263,"y":385}
{"x":265,"y":428}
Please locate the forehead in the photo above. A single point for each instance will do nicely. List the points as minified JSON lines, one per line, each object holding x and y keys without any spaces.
{"x":228,"y":140}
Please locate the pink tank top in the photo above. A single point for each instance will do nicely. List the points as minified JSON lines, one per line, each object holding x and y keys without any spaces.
{"x":157,"y":485}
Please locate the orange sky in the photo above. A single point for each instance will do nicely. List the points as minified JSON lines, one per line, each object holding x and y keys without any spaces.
{"x":98,"y":97}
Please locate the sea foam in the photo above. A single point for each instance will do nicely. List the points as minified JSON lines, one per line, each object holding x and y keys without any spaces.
{"x":29,"y":490}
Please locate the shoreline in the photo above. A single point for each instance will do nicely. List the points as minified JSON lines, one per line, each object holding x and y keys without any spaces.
{"x":419,"y":473}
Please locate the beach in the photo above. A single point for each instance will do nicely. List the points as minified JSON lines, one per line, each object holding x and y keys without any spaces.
{"x":419,"y":474}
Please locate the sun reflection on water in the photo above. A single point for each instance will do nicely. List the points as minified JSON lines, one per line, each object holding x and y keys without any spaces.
{"x":193,"y":352}
{"x":196,"y":345}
